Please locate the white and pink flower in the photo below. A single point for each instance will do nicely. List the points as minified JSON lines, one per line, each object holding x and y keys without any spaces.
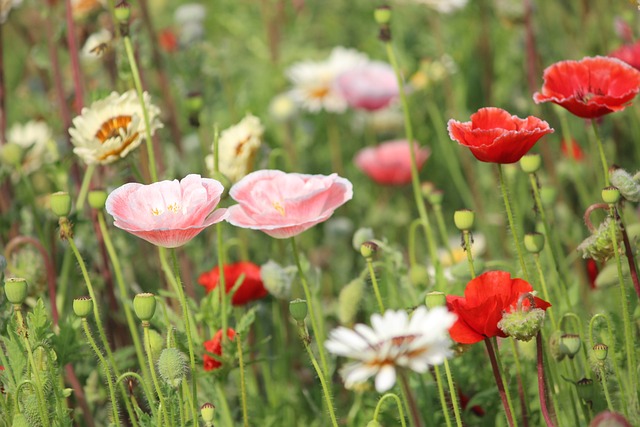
{"x":370,"y":86}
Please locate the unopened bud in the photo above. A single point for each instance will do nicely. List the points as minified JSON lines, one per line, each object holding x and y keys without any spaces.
{"x":534,"y":242}
{"x":570,"y":344}
{"x":610,"y":195}
{"x":368,"y":249}
{"x":530,"y":163}
{"x":97,"y":199}
{"x":464,"y":219}
{"x":83,"y":306}
{"x":435,"y":299}
{"x":298,"y":309}
{"x":172,"y":366}
{"x":144,"y":305}
{"x":15,"y":288}
{"x":60,"y":203}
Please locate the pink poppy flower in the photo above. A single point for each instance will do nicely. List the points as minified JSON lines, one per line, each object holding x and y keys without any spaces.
{"x":286,"y":204}
{"x":390,"y":162}
{"x":591,"y":87}
{"x":371,"y":86}
{"x":629,"y":53}
{"x":167,"y":213}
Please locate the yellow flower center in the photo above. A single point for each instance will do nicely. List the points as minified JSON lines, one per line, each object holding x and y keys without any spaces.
{"x":111,"y":129}
{"x":277,"y":206}
{"x":319,"y":92}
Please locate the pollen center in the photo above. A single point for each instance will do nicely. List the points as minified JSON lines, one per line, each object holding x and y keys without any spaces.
{"x":277,"y":206}
{"x":319,"y":92}
{"x":156,"y":211}
{"x":111,"y":128}
{"x":174,"y":207}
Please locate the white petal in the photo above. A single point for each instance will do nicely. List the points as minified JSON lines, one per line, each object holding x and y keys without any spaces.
{"x":386,"y":378}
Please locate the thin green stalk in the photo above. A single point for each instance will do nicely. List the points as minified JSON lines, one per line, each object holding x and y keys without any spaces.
{"x":321,"y":376}
{"x":415,"y":179}
{"x":223,"y":405}
{"x":42,"y":402}
{"x":84,"y":188}
{"x":603,"y":158}
{"x":307,"y":293}
{"x":545,"y":291}
{"x":243,"y":391}
{"x":117,"y":270}
{"x":414,"y":411}
{"x":453,"y":393}
{"x":443,"y":400}
{"x":605,"y":388}
{"x":442,"y":230}
{"x":107,"y":370}
{"x":154,"y":376}
{"x":466,"y":235}
{"x":333,"y":137}
{"x":147,"y":123}
{"x":374,"y":282}
{"x":398,"y":404}
{"x":512,"y":225}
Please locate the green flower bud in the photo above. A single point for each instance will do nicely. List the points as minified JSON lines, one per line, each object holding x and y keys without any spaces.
{"x":145,"y":306}
{"x":629,"y":188}
{"x":298,"y":309}
{"x":11,"y":154}
{"x":60,"y":203}
{"x":600,"y":351}
{"x":349,"y":301}
{"x":570,"y":345}
{"x":436,"y":197}
{"x":419,"y":275}
{"x":83,"y":306}
{"x":172,"y":366}
{"x":610,"y":195}
{"x":368,"y":249}
{"x":554,"y":345}
{"x":534,"y":242}
{"x":360,"y":236}
{"x":530,"y":163}
{"x":16,"y":290}
{"x":194,"y":102}
{"x":373,"y":423}
{"x":382,"y":15}
{"x":122,"y":12}
{"x":585,"y":389}
{"x":464,"y":219}
{"x":97,"y":199}
{"x":155,"y":344}
{"x":435,"y":299}
{"x":206,"y":412}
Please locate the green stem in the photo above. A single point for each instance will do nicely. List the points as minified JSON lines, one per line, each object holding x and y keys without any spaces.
{"x":147,"y":123}
{"x":398,"y":404}
{"x":154,"y":376}
{"x":500,"y":382}
{"x":224,"y":405}
{"x":414,"y":411}
{"x":512,"y":225}
{"x":443,"y":400}
{"x":117,"y":269}
{"x":307,"y":293}
{"x":243,"y":391}
{"x":415,"y":179}
{"x":603,"y":158}
{"x":145,"y":388}
{"x":442,"y":230}
{"x":453,"y":393}
{"x":222,"y":283}
{"x":545,"y":291}
{"x":374,"y":282}
{"x":466,"y":235}
{"x":605,"y":388}
{"x":333,"y":135}
{"x":84,"y":188}
{"x":107,"y":371}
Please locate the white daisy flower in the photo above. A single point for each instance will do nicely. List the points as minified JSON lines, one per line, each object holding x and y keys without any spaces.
{"x":96,"y":45}
{"x":314,"y":81}
{"x":444,"y":6}
{"x":112,"y":127}
{"x":36,"y":140}
{"x":238,"y":146}
{"x":393,"y":341}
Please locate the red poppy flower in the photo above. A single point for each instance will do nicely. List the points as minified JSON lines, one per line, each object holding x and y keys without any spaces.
{"x":214,"y":346}
{"x":590,"y":88}
{"x":572,"y":150}
{"x":168,"y":40}
{"x":629,"y":53}
{"x":495,"y":136}
{"x":251,"y":288}
{"x":486,"y":299}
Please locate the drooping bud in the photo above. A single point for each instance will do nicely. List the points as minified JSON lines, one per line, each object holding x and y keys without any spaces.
{"x":15,"y":288}
{"x":298,"y":309}
{"x":534,"y":242}
{"x":172,"y":366}
{"x":368,"y":249}
{"x":610,"y":195}
{"x":83,"y":306}
{"x":435,"y":299}
{"x":144,"y":305}
{"x":464,"y":219}
{"x":570,"y":345}
{"x":530,"y":163}
{"x":97,"y":199}
{"x":60,"y":203}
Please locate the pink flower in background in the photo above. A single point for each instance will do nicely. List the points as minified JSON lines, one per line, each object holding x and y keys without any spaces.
{"x":167,"y":213}
{"x":390,"y":162}
{"x":286,"y":204}
{"x":370,"y":86}
{"x":629,"y":53}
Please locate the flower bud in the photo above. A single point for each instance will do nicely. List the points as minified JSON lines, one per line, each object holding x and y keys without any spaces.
{"x":16,"y":290}
{"x":610,"y":195}
{"x":599,"y":246}
{"x":419,"y":275}
{"x":368,"y":249}
{"x":60,"y":203}
{"x":629,"y":188}
{"x":360,"y":236}
{"x":122,"y":12}
{"x":600,"y":351}
{"x":435,"y":299}
{"x":530,"y":163}
{"x":298,"y":309}
{"x":145,"y":306}
{"x":436,"y":197}
{"x":349,"y":301}
{"x":11,"y":154}
{"x":585,"y":389}
{"x":83,"y":306}
{"x":609,"y":419}
{"x":382,"y":15}
{"x":534,"y":242}
{"x":97,"y":199}
{"x":464,"y":219}
{"x":554,"y":345}
{"x":373,"y":423}
{"x":522,"y":324}
{"x":172,"y":366}
{"x":570,"y":345}
{"x":206,"y":412}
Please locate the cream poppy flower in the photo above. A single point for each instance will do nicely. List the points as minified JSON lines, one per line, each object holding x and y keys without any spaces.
{"x":112,"y":127}
{"x":36,"y":140}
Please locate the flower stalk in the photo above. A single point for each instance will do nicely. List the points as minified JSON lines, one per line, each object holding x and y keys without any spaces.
{"x":497,"y":373}
{"x":512,"y":225}
{"x":398,"y":405}
{"x":542,"y":388}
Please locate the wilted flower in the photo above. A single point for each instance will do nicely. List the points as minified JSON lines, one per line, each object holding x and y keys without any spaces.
{"x":214,"y":346}
{"x":36,"y":140}
{"x":278,"y":279}
{"x":250,"y":289}
{"x":112,"y":127}
{"x":315,"y":81}
{"x":237,"y":147}
{"x":393,"y":341}
{"x":390,"y":162}
{"x":599,"y":246}
{"x":286,"y":204}
{"x":167,"y":213}
{"x":96,"y":44}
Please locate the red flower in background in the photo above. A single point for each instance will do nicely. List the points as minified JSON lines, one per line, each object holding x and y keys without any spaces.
{"x":214,"y":346}
{"x":168,"y":40}
{"x":572,"y":150}
{"x":251,"y":288}
{"x":629,"y":53}
{"x":390,"y":162}
{"x":495,"y":136}
{"x":591,"y":87}
{"x":486,"y":299}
